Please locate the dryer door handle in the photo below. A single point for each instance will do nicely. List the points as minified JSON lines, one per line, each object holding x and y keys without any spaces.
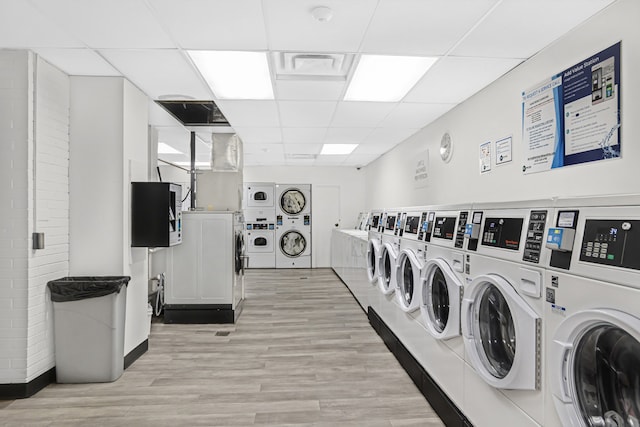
{"x":565,"y":351}
{"x":467,"y":316}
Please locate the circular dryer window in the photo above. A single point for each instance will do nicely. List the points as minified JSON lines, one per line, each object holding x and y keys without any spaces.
{"x":407,"y":281}
{"x":496,"y":329}
{"x":437,"y":300}
{"x":372,"y":260}
{"x":387,"y":270}
{"x":293,"y":244}
{"x":292,"y":201}
{"x":239,"y":252}
{"x":606,"y":376}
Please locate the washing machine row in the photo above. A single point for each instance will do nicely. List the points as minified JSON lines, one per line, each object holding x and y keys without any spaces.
{"x":549,"y":335}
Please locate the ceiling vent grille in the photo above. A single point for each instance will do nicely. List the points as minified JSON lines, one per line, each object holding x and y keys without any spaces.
{"x":293,"y":156}
{"x":312,"y":66}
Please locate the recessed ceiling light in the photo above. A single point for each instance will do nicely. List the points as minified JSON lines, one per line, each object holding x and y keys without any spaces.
{"x":385,"y":78}
{"x":235,"y":75}
{"x":338,"y":148}
{"x":167,"y":149}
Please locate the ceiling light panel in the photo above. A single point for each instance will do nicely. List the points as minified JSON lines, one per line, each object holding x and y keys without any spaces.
{"x":123,"y":24}
{"x":452,"y":80}
{"x":525,"y":36}
{"x":300,"y":114}
{"x":291,"y":27}
{"x":383,"y":78}
{"x":214,"y":25}
{"x":142,"y":68}
{"x":235,"y":75}
{"x":418,"y":27}
{"x":337,"y":149}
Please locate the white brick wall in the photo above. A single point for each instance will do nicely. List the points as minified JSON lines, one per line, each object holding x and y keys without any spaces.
{"x":51,"y":211}
{"x":15,"y":67}
{"x":34,"y":105}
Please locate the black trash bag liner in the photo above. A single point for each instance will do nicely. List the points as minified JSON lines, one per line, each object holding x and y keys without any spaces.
{"x":79,"y":288}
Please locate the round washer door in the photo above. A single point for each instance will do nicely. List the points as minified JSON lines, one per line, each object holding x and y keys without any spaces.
{"x":441,"y":299}
{"x":239,"y":252}
{"x":594,"y":366}
{"x":386,"y":269}
{"x":293,"y":243}
{"x":408,"y":280}
{"x":501,"y":334}
{"x":292,"y":201}
{"x":373,"y":260}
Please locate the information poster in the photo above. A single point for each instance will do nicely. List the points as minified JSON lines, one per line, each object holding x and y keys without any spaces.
{"x":485,"y":157}
{"x":573,"y":117}
{"x":503,"y":150}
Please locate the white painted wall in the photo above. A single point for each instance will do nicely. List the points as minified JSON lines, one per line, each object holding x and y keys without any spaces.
{"x":34,"y":187}
{"x":350,"y":181}
{"x":496,"y":112}
{"x":109,"y":144}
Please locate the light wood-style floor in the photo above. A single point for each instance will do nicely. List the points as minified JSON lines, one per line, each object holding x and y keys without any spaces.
{"x":302,"y":354}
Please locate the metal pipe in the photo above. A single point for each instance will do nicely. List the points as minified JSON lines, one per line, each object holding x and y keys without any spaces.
{"x":192,"y":171}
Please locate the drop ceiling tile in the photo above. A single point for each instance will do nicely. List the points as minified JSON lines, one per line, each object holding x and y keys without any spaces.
{"x":263,"y":159}
{"x":300,"y":135}
{"x":247,"y":113}
{"x":178,"y":79}
{"x":290,"y":25}
{"x":78,"y":62}
{"x":360,"y":159}
{"x":518,"y":37}
{"x":310,"y":90}
{"x":410,"y":115}
{"x":373,"y":148}
{"x":300,"y":162}
{"x":213,"y":25}
{"x":302,"y":148}
{"x":301,"y":114}
{"x":125,"y":24}
{"x":346,"y":135}
{"x":391,"y":136}
{"x":453,"y":79}
{"x":331,"y":160}
{"x":259,"y":134}
{"x":419,"y":27}
{"x":266,"y":149}
{"x":23,"y":26}
{"x":361,"y":114}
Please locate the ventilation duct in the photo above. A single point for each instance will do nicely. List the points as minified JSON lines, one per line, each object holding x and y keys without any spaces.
{"x":195,"y":113}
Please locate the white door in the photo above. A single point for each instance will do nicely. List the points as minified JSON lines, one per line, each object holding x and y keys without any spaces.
{"x":325,"y":217}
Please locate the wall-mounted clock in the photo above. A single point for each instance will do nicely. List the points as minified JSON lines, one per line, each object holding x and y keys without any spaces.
{"x":446,"y":147}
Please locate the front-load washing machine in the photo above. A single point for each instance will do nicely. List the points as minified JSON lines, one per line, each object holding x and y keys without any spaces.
{"x":592,"y":315}
{"x":294,"y":247}
{"x":259,"y":195}
{"x":410,"y":263}
{"x":260,"y":238}
{"x":389,"y":252}
{"x":374,"y":245}
{"x":502,"y":313}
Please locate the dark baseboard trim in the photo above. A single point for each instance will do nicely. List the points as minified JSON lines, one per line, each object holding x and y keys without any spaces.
{"x":196,"y":314}
{"x":349,"y":289}
{"x":24,"y":390}
{"x":439,"y":401}
{"x":136,"y":353}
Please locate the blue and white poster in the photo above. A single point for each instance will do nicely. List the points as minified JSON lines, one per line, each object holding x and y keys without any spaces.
{"x":573,"y":117}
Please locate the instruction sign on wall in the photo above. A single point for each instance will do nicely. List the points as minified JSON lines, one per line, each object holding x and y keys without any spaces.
{"x":574,"y":116}
{"x":421,"y":173}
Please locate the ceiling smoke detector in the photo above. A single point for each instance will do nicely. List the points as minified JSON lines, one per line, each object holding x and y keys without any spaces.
{"x":322,"y":13}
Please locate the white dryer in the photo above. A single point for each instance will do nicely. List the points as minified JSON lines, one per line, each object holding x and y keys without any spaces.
{"x":411,"y":261}
{"x":293,"y":200}
{"x":389,"y":252}
{"x":374,"y":245}
{"x":592,"y":315}
{"x":502,"y":313}
{"x":260,"y":238}
{"x":259,"y":195}
{"x":294,"y":247}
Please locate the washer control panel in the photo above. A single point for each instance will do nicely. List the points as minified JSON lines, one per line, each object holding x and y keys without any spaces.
{"x":462,"y":225}
{"x":535,"y":235}
{"x":611,"y":242}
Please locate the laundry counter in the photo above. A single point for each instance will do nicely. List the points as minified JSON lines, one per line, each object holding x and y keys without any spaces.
{"x":349,"y":261}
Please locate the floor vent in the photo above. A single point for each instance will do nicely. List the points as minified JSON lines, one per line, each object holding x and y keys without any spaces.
{"x":223,"y":333}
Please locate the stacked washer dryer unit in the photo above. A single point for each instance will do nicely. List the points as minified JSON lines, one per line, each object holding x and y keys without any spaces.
{"x":592,"y":313}
{"x":260,"y":220}
{"x":441,"y":292}
{"x":502,"y":313}
{"x":293,"y":225}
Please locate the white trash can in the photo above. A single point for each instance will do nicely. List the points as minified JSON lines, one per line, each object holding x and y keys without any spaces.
{"x":89,"y":315}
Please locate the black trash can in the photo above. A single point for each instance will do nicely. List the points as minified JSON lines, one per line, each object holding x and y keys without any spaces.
{"x":88,"y":315}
